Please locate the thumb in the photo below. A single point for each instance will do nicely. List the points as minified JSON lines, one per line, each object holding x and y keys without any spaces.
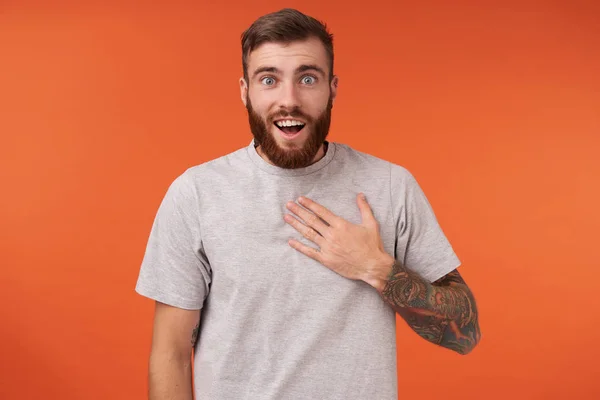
{"x":365,"y":209}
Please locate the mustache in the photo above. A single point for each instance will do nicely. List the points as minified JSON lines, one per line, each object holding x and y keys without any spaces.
{"x":295,"y":113}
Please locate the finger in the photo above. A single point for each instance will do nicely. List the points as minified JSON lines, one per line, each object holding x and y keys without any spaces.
{"x":308,"y":217}
{"x":322,"y":212}
{"x":306,"y":231}
{"x":365,"y":210}
{"x":306,"y":250}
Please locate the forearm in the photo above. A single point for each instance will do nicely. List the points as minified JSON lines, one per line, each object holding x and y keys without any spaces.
{"x":170,"y":377}
{"x":443,"y":312}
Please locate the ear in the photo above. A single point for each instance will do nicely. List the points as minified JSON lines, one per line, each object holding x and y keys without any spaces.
{"x":334,"y":86}
{"x":243,"y":90}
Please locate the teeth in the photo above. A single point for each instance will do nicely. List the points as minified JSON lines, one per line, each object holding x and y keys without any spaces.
{"x":289,"y":122}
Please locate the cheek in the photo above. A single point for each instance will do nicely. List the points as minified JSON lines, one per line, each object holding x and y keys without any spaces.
{"x":255,"y":97}
{"x":260,"y":106}
{"x":315,"y":104}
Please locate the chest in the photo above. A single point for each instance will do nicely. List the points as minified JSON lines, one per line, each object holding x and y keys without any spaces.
{"x":246,"y":238}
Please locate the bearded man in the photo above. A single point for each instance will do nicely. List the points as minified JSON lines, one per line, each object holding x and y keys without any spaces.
{"x":283,"y":264}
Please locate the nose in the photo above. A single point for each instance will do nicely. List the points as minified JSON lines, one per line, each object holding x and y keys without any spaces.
{"x":289,"y":97}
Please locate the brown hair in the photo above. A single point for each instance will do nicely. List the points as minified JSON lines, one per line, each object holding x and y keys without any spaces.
{"x":285,"y":26}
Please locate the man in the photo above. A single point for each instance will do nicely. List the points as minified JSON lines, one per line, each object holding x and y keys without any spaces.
{"x":271,"y":264}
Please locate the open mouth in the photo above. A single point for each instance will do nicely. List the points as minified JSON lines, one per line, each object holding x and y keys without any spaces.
{"x":289,"y":126}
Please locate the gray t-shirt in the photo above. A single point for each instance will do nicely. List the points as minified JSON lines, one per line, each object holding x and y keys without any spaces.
{"x":276,"y":324}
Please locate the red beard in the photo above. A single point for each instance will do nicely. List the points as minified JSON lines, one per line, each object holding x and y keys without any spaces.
{"x":290,"y":158}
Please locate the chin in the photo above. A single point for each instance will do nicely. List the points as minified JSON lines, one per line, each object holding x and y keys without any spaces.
{"x":290,"y":146}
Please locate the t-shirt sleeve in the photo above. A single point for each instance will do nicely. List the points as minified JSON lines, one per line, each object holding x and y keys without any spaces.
{"x":174,"y":269}
{"x":421,"y":244}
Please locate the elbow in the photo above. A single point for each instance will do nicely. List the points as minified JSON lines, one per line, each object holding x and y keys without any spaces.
{"x":462,"y":349}
{"x":466,"y":345}
{"x":465,"y":350}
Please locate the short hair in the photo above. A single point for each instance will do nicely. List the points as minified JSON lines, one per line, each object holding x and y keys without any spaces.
{"x":285,"y":26}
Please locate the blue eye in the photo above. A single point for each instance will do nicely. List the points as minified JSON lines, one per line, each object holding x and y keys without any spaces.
{"x":268,"y":81}
{"x":308,"y":80}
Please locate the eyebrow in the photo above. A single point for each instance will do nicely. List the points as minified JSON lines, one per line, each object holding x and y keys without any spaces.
{"x":300,"y":69}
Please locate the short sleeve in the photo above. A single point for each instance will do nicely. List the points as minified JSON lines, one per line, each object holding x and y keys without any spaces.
{"x":174,"y":269}
{"x":421,"y":244}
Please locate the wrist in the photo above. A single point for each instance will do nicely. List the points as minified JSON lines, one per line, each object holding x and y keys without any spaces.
{"x":378,"y":274}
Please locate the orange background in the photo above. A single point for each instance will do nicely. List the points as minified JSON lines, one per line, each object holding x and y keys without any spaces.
{"x":495,"y":108}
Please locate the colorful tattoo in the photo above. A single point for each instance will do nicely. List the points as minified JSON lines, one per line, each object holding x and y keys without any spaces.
{"x":443,"y":312}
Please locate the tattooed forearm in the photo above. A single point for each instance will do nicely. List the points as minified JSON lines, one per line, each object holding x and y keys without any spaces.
{"x":443,"y":312}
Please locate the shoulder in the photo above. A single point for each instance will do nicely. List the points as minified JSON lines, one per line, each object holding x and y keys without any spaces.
{"x":215,"y":165}
{"x":351,"y":154}
{"x":202,"y":174}
{"x":399,"y":175}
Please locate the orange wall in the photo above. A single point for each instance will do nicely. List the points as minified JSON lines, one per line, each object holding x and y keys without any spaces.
{"x":494,"y":108}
